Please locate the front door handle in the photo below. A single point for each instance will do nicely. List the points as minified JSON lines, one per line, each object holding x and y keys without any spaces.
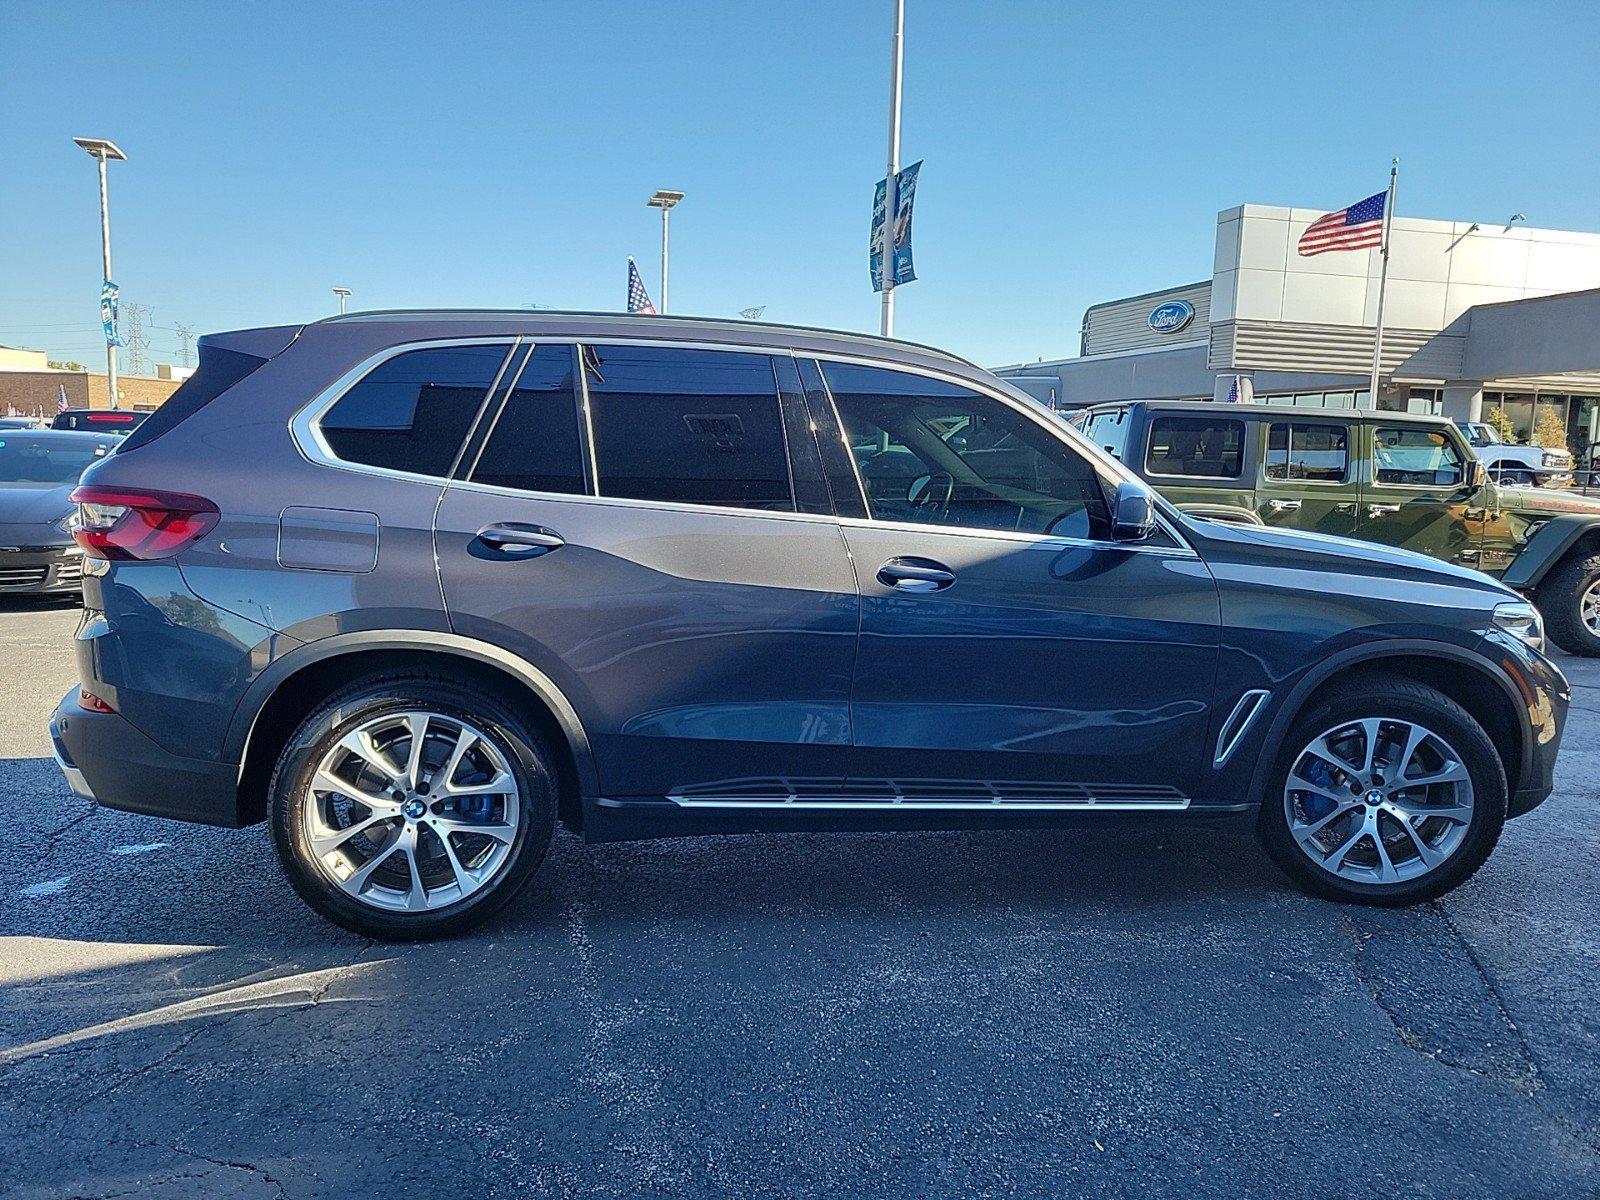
{"x":1283,"y":505}
{"x":1378,"y":510}
{"x":513,"y":539}
{"x":920,"y":575}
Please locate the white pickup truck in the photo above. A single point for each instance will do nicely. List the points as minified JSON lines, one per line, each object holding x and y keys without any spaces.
{"x":1514,"y":465}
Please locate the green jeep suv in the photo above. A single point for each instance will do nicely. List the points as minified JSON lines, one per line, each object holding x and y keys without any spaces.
{"x":1406,"y":481}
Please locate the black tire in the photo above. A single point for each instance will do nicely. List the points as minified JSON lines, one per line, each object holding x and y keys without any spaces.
{"x":1516,"y":477}
{"x":1560,"y":601}
{"x":529,"y":760}
{"x":1391,"y":697}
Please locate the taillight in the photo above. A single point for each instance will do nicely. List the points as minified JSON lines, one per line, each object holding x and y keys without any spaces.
{"x":92,"y":703}
{"x":139,"y":523}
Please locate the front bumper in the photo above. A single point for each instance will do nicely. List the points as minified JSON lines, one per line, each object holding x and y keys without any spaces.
{"x":40,"y":570}
{"x":105,"y":759}
{"x":1544,"y":696}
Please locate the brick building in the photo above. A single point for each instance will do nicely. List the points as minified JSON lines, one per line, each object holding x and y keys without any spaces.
{"x":36,"y":392}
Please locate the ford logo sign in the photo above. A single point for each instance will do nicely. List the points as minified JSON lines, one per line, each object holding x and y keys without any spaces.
{"x":1170,"y":316}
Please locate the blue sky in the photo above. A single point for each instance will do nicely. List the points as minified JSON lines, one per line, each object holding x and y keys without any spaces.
{"x":478,"y":154}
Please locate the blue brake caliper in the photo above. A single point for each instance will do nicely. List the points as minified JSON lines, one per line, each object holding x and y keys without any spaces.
{"x":1315,"y":804}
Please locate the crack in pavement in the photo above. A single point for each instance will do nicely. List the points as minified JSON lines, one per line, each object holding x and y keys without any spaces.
{"x":1530,"y":1085}
{"x":265,"y":1175}
{"x":1412,"y":1040}
{"x":52,"y":839}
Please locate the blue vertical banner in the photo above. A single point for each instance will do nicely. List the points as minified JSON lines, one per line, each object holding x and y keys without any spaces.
{"x":108,"y":312}
{"x":905,"y":196}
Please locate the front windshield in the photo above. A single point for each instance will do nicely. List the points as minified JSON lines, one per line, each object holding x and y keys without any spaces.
{"x":45,"y":463}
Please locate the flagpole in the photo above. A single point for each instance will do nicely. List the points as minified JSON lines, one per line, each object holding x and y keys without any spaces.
{"x":890,"y":200}
{"x":1383,"y":279}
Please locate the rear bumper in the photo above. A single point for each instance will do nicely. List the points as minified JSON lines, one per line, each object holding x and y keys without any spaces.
{"x":40,"y":570}
{"x":107,"y":760}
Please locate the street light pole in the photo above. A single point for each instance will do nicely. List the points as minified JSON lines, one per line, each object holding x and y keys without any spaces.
{"x":344,"y":294}
{"x":890,"y":192}
{"x":664,"y":200}
{"x":101,"y":150}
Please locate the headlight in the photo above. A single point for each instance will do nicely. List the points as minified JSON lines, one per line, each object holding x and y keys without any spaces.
{"x":1522,"y":621}
{"x":67,"y":522}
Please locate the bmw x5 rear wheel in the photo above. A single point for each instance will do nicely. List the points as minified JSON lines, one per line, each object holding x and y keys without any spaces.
{"x":411,"y":807}
{"x":1386,"y":793}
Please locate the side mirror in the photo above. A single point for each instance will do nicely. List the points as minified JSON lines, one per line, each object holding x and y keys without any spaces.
{"x":1134,"y":518}
{"x":1477,"y":476}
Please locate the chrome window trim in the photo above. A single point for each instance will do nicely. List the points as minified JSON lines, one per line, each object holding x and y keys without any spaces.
{"x":305,"y":429}
{"x":1075,"y":439}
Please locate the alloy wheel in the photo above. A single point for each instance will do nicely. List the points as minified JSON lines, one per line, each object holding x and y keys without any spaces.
{"x":1378,"y":800}
{"x":412,"y":811}
{"x":1589,"y":608}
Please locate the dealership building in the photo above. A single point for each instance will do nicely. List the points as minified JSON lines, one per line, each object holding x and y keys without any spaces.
{"x":1476,"y":316}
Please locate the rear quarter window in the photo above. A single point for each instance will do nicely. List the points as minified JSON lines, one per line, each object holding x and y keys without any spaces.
{"x":412,"y":413}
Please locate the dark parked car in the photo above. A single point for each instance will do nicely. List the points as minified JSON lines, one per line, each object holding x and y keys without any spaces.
{"x":38,"y":470}
{"x":412,"y":587}
{"x":120,"y":421}
{"x":1399,"y":480}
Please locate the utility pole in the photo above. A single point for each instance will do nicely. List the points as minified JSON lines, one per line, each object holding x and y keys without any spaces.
{"x":101,"y":150}
{"x":890,"y":198}
{"x":185,"y":336}
{"x":664,"y":200}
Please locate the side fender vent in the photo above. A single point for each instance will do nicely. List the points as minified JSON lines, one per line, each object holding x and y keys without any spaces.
{"x":1238,"y":724}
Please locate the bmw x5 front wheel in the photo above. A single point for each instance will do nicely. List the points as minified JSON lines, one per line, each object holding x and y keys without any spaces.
{"x":1386,"y":793}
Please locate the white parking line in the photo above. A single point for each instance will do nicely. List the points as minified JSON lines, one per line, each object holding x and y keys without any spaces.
{"x":46,"y":887}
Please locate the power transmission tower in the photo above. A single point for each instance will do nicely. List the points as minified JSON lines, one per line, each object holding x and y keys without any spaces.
{"x":185,"y":336}
{"x":135,"y":337}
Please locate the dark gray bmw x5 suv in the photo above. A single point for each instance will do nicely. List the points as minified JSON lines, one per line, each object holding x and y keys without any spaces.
{"x":412,"y":587}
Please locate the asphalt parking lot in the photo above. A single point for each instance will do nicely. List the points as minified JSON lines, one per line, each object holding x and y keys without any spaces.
{"x":1136,"y":1012}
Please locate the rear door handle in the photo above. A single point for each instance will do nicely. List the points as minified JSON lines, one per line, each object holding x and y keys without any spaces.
{"x":1283,"y":505}
{"x":513,"y":539}
{"x":1378,"y":510}
{"x":919,"y":575}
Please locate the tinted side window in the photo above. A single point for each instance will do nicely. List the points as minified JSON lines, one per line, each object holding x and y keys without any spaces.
{"x":688,"y":426}
{"x":939,"y":454}
{"x":413,"y":412}
{"x":1200,"y":447}
{"x":1319,"y":453}
{"x":534,"y":445}
{"x":1417,"y":456}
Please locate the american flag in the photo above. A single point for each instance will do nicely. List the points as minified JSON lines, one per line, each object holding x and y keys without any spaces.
{"x":61,"y":400}
{"x":638,"y":298}
{"x":1353,"y":228}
